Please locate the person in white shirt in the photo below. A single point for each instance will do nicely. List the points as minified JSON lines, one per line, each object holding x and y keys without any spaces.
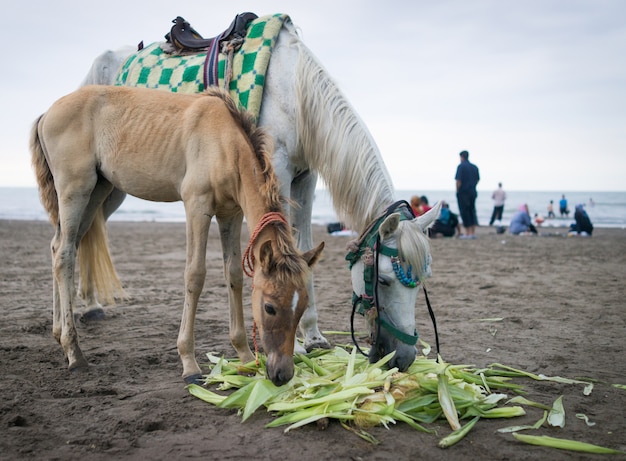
{"x":498,"y":196}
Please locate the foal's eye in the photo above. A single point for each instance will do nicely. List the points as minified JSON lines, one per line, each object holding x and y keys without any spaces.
{"x":270,"y":309}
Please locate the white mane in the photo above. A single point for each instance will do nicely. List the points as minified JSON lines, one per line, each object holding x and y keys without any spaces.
{"x":414,"y":247}
{"x":338,"y":145}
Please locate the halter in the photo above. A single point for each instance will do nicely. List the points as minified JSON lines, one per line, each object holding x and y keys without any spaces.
{"x":369,"y":248}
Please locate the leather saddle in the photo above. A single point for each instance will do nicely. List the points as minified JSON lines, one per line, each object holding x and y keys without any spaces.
{"x":184,"y":37}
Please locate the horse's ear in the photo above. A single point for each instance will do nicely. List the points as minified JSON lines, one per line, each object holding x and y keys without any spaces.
{"x":389,"y":226}
{"x":266,"y":257}
{"x":314,"y":255}
{"x":428,"y":219}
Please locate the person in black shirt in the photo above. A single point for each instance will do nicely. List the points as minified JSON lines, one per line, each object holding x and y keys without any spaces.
{"x":467,"y":176}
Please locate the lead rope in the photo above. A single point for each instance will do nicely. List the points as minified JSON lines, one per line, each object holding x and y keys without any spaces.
{"x":256,"y":344}
{"x":247,"y":262}
{"x":433,"y":319}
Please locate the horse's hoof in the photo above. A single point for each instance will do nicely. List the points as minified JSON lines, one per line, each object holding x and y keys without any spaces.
{"x":194,"y":379}
{"x":93,"y":314}
{"x":317,"y":343}
{"x":77,"y":365}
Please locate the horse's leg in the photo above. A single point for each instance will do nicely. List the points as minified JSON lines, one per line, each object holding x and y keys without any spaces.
{"x":303,"y":192}
{"x":198,"y":223}
{"x":93,"y":309}
{"x":230,"y":237}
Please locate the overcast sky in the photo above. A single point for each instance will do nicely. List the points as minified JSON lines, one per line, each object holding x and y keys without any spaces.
{"x":535,"y":90}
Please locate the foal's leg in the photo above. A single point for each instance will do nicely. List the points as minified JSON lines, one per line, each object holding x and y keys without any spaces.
{"x":230,"y":237}
{"x":198,"y":223}
{"x":302,"y":192}
{"x":74,"y":198}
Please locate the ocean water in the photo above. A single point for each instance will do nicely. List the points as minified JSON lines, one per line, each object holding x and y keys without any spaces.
{"x":606,"y":209}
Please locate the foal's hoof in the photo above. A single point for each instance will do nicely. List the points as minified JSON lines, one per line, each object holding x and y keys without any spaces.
{"x":194,"y":379}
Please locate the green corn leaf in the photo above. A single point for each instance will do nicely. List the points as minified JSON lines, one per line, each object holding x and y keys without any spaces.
{"x":499,"y":412}
{"x":238,"y":398}
{"x":205,"y":394}
{"x":458,"y":434}
{"x":261,"y":392}
{"x":564,"y":444}
{"x":401,"y":416}
{"x":361,"y":433}
{"x":446,"y":402}
{"x":537,"y":425}
{"x":425,"y":347}
{"x":585,"y":418}
{"x":524,"y":401}
{"x":338,"y":411}
{"x":556,"y":379}
{"x":340,"y":396}
{"x":556,"y":416}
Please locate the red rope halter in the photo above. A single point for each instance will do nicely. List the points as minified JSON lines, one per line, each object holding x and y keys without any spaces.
{"x":247,"y":263}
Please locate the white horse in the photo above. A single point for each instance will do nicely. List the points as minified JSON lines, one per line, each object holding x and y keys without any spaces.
{"x":317,"y":132}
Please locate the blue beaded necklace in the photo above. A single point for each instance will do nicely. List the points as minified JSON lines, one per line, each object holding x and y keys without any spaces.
{"x":405,"y":278}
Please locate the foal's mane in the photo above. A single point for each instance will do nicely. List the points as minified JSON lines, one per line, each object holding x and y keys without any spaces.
{"x":337,"y":144}
{"x":290,"y":266}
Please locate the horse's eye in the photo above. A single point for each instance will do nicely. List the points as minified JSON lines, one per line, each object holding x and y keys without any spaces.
{"x":384,"y":281}
{"x":270,"y":309}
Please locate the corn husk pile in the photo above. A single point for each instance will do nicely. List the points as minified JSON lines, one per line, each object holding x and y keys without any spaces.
{"x":342,"y":385}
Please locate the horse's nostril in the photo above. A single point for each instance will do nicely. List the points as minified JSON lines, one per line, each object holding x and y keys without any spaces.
{"x":402,"y":360}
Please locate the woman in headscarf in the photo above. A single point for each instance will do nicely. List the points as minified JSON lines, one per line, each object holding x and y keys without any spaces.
{"x":521,"y":223}
{"x":582,"y":226}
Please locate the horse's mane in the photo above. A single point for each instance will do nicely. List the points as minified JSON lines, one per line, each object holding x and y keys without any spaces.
{"x":337,"y":144}
{"x":290,"y":265}
{"x":414,"y":247}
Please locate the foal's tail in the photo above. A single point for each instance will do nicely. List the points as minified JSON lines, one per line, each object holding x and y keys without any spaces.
{"x":94,"y":259}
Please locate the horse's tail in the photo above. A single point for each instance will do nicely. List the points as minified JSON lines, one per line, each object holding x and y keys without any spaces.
{"x":96,"y":267}
{"x":97,"y":273}
{"x":45,"y":181}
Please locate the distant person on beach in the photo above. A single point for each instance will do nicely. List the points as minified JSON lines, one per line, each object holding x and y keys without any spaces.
{"x":521,"y":223}
{"x":582,"y":227}
{"x":551,"y":214}
{"x":416,"y":204}
{"x":419,"y":205}
{"x":446,"y":225}
{"x":424,"y":206}
{"x":498,"y":196}
{"x":563,"y":206}
{"x":467,"y":176}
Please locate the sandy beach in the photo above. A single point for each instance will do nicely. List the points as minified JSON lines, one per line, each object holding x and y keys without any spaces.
{"x":561,"y":301}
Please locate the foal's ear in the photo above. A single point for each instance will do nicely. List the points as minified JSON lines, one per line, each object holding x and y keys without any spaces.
{"x":266,"y":257}
{"x":389,"y":226}
{"x":314,"y":255}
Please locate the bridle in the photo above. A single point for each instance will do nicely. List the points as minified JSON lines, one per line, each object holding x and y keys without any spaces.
{"x":369,"y":247}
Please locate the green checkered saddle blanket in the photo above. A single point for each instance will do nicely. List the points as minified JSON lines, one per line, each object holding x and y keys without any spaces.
{"x":153,"y":67}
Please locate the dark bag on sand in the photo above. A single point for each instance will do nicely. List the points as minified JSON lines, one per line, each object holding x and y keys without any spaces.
{"x":334,"y":227}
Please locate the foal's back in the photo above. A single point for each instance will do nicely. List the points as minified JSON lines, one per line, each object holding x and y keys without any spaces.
{"x":150,"y":144}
